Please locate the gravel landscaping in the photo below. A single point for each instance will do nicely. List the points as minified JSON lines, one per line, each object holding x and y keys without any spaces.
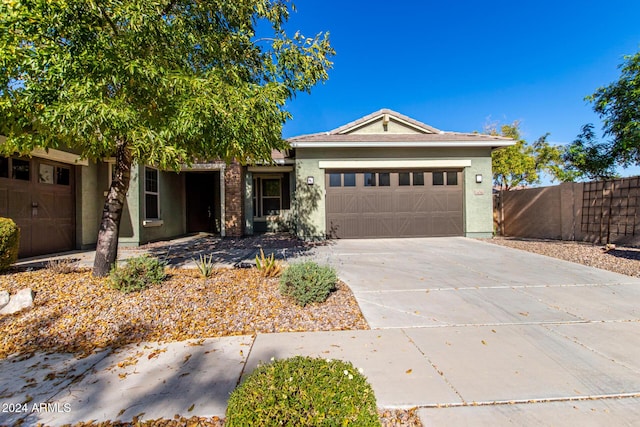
{"x":623,"y":260}
{"x":75,"y":312}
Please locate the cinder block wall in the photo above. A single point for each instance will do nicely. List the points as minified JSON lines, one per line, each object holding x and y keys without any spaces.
{"x":557,"y":213}
{"x":533,"y":212}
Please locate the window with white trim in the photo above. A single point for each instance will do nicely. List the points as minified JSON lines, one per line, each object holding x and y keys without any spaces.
{"x":151,"y":194}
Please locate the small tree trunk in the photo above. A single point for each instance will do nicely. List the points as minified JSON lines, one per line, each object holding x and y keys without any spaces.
{"x":107,"y":246}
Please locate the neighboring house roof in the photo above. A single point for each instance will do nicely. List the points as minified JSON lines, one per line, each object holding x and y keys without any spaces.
{"x":387,"y":128}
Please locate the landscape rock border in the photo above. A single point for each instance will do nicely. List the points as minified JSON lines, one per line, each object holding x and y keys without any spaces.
{"x":21,"y":300}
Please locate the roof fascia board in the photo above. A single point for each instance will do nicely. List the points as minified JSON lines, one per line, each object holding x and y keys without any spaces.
{"x":59,"y":156}
{"x":380,"y":144}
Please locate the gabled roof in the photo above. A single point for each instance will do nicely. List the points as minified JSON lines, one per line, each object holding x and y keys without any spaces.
{"x":387,"y":128}
{"x":385,"y":114}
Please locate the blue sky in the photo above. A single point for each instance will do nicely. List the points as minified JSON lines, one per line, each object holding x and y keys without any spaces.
{"x":460,"y":65}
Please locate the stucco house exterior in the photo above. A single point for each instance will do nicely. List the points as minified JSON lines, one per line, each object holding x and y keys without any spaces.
{"x":387,"y":175}
{"x":383,"y":175}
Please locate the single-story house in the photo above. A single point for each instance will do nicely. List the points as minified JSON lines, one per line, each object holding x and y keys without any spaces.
{"x":383,"y":175}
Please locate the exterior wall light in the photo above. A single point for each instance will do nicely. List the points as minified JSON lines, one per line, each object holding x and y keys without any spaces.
{"x":479,"y":178}
{"x":309,"y":180}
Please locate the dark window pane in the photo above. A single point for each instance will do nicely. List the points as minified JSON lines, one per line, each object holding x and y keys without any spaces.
{"x":151,"y":206}
{"x":271,"y":188}
{"x":369,"y":179}
{"x":349,"y":179}
{"x":403,"y":178}
{"x":20,"y":169}
{"x":438,"y":178}
{"x":271,"y":206}
{"x":452,"y":178}
{"x":4,"y":167}
{"x":384,"y":179}
{"x":62,"y":176}
{"x":151,"y":180}
{"x":418,"y":178}
{"x":335,"y":180}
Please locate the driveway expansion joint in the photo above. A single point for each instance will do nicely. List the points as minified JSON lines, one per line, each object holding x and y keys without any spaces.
{"x":435,"y":367}
{"x":633,"y":395}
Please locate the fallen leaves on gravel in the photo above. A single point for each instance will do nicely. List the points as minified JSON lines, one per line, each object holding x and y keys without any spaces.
{"x":388,"y":418}
{"x":79,"y":313}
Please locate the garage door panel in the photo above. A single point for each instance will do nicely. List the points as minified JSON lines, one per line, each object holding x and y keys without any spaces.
{"x":43,"y":208}
{"x":417,"y":210}
{"x":385,"y":203}
{"x":454,"y":202}
{"x":407,"y":202}
{"x":377,"y":226}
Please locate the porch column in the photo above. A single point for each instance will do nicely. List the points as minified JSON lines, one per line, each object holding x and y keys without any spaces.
{"x":248,"y":203}
{"x":234,"y":200}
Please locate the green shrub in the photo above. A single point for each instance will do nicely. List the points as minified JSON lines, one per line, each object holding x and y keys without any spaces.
{"x":137,"y":274}
{"x":308,"y":282}
{"x":303,"y":391}
{"x":9,"y":243}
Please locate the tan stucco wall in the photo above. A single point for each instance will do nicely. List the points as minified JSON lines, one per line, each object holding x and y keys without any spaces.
{"x":478,"y":203}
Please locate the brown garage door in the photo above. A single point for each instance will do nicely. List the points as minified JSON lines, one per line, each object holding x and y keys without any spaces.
{"x":387,"y":203}
{"x":39,"y":196}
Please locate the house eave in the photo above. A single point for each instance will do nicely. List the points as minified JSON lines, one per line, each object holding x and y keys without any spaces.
{"x":381,"y":144}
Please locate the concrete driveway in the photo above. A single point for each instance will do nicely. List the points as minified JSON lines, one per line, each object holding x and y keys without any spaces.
{"x":406,"y":283}
{"x":504,"y":328}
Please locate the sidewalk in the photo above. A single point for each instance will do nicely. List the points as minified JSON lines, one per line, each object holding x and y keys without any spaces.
{"x":195,"y":378}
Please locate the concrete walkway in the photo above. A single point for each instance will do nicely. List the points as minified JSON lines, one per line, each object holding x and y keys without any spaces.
{"x":472,"y":333}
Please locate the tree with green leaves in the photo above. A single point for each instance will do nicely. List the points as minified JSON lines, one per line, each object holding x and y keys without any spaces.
{"x":523,"y":163}
{"x":158,"y":82}
{"x":618,"y":104}
{"x":587,"y":158}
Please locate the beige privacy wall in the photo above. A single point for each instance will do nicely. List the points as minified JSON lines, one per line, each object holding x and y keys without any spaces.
{"x":598,"y":212}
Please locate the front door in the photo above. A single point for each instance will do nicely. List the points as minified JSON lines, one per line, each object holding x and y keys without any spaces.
{"x":202,"y":208}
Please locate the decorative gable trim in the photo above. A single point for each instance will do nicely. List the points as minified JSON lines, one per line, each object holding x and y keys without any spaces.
{"x":385,"y":115}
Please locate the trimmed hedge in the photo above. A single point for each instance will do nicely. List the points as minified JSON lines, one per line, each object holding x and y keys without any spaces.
{"x":303,"y":391}
{"x":9,"y":243}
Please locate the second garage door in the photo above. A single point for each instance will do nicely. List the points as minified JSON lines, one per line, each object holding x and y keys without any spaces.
{"x":388,"y":203}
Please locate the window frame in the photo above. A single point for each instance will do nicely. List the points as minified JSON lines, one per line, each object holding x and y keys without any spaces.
{"x":258,"y":196}
{"x":264,"y":196}
{"x":152,"y":193}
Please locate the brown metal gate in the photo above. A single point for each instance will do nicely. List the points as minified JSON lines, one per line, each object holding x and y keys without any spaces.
{"x":392,"y":203}
{"x":38,"y":195}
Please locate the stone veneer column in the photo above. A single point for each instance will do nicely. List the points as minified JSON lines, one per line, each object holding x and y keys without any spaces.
{"x":234,"y":200}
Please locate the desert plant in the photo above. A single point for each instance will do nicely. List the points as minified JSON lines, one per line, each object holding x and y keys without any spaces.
{"x":63,"y":265}
{"x":9,"y":243}
{"x":268,"y":266}
{"x":205,"y":265}
{"x":303,"y":391}
{"x":308,"y":282}
{"x":137,"y":273}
